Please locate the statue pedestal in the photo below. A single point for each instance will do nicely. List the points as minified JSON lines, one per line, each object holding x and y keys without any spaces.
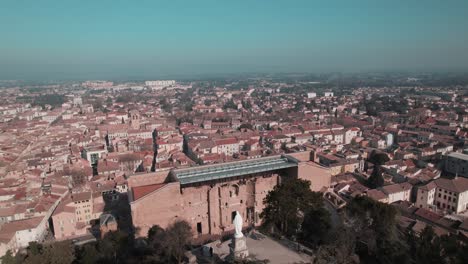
{"x":238,"y":248}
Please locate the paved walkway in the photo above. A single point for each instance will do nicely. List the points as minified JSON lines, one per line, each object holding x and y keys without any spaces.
{"x":264,"y":248}
{"x":268,"y":248}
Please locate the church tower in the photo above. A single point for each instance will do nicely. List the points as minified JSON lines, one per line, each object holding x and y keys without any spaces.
{"x":135,"y":119}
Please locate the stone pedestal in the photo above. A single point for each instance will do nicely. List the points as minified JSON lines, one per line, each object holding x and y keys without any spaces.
{"x":238,"y":248}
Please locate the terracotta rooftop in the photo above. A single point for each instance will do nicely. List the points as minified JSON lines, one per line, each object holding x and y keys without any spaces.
{"x":428,"y":215}
{"x":140,"y":191}
{"x":458,"y":185}
{"x":430,"y":186}
{"x":376,"y":195}
{"x":81,"y":196}
{"x":21,"y":224}
{"x":396,"y":188}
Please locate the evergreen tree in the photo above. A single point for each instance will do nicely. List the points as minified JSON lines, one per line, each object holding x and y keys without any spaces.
{"x":428,"y":247}
{"x":286,"y":204}
{"x":376,"y":179}
{"x":8,"y":258}
{"x":316,"y":226}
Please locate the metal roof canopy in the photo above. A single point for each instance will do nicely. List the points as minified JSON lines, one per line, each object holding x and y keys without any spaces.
{"x":233,"y":169}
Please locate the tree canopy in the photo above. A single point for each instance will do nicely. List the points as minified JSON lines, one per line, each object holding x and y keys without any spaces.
{"x":54,"y":253}
{"x":316,"y":226}
{"x":376,"y":179}
{"x":287,"y":203}
{"x":230,"y":105}
{"x":161,"y":246}
{"x":378,"y":158}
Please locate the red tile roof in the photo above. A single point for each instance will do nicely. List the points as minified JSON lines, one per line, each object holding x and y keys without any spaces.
{"x":140,"y":191}
{"x":428,"y":215}
{"x":226,"y":141}
{"x":457,"y":185}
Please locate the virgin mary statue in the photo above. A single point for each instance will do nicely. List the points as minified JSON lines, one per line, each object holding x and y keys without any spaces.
{"x":238,"y":225}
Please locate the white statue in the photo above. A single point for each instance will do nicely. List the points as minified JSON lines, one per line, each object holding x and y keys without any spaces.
{"x":238,"y":225}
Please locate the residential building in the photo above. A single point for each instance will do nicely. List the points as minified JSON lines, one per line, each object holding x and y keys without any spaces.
{"x":449,"y":195}
{"x":457,"y":164}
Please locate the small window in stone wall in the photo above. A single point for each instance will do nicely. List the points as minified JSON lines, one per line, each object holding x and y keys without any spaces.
{"x":234,"y":191}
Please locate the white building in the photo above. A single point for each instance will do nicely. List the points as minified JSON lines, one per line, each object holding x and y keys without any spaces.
{"x":338,"y":137}
{"x":351,"y":133}
{"x":77,"y":101}
{"x":17,"y":234}
{"x":449,"y":195}
{"x":311,"y":95}
{"x":398,"y":192}
{"x":425,"y":196}
{"x":163,"y":83}
{"x":388,"y":137}
{"x":93,"y":153}
{"x":97,"y":84}
{"x":328,"y":94}
{"x":228,"y":146}
{"x":51,"y":117}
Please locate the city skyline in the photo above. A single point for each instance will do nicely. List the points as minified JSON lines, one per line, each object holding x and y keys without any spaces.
{"x":110,"y":40}
{"x":247,"y":131}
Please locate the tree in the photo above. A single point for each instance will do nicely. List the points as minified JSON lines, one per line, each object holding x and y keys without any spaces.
{"x":55,"y":253}
{"x":49,"y":99}
{"x":299,"y":106}
{"x":97,"y":103}
{"x":316,"y":226}
{"x":246,"y":104}
{"x":230,"y":104}
{"x":453,"y":251}
{"x":60,"y":253}
{"x":378,"y":158}
{"x":375,"y":227}
{"x":155,"y":232}
{"x":208,"y":102}
{"x":115,"y":247}
{"x":179,"y":235}
{"x":169,"y":246}
{"x":378,"y":216}
{"x":246,"y":126}
{"x":34,"y":248}
{"x":188,"y":107}
{"x":389,"y":251}
{"x":124,"y":98}
{"x":341,"y":248}
{"x":376,"y":179}
{"x":157,"y":238}
{"x":8,"y":258}
{"x":287,"y":203}
{"x":428,"y":247}
{"x":88,"y":254}
{"x":165,"y":105}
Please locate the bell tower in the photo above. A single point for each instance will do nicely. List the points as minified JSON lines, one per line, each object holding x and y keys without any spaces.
{"x":135,"y":119}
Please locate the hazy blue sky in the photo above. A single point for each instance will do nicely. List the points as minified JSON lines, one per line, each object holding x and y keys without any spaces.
{"x":119,"y":39}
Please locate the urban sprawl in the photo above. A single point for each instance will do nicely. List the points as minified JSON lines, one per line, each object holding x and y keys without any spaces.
{"x":81,"y":159}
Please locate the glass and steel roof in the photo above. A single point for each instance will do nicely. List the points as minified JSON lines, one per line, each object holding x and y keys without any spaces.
{"x":233,"y":169}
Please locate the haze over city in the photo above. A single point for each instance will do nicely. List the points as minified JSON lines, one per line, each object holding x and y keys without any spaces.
{"x":148,"y":39}
{"x":233,"y":132}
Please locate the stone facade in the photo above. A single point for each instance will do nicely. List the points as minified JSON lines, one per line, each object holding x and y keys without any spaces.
{"x":209,"y":204}
{"x":209,"y":208}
